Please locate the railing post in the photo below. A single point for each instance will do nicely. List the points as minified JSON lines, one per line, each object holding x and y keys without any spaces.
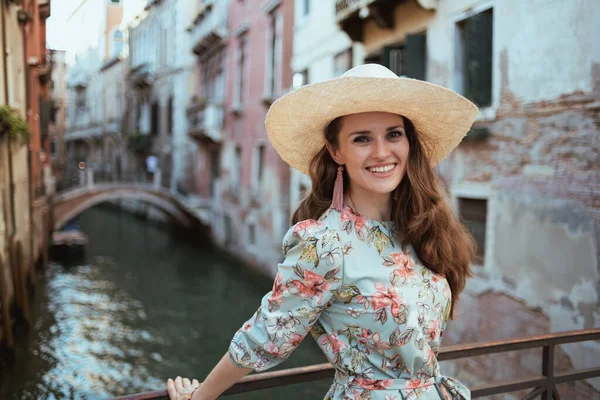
{"x":548,"y":371}
{"x":90,"y":177}
{"x":156,"y":178}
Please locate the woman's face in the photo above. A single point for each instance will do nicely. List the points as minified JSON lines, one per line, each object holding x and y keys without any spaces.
{"x":373,"y":148}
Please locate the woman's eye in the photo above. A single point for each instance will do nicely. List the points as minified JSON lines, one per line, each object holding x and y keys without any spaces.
{"x":395,"y":134}
{"x":361,"y":139}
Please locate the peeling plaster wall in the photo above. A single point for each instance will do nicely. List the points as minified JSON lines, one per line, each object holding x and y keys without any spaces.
{"x":539,"y":170}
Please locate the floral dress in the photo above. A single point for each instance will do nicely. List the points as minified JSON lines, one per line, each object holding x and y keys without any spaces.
{"x":376,"y":312}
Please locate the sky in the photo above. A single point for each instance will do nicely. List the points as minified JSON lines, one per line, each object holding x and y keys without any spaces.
{"x":57,"y":36}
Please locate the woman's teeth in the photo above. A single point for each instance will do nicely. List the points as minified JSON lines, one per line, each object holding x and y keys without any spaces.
{"x":380,"y":170}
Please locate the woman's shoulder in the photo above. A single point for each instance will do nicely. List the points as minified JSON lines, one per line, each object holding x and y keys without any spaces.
{"x":313,"y":229}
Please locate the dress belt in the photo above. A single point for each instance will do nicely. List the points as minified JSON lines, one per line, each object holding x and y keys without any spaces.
{"x":446,"y":387}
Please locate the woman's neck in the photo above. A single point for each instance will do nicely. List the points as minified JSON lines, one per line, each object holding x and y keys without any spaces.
{"x":372,"y":206}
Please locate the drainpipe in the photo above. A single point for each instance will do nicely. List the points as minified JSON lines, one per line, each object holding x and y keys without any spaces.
{"x":5,"y":308}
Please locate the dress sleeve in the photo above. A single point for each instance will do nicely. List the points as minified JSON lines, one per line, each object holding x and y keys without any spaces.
{"x":303,"y":288}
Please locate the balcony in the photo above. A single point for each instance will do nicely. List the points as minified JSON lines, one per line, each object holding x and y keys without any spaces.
{"x":352,"y":14}
{"x":209,"y":28}
{"x":44,"y":8}
{"x":140,"y":76}
{"x":205,"y":121}
{"x":83,"y":131}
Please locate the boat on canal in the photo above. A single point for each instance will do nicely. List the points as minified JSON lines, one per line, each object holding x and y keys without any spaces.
{"x":68,"y":244}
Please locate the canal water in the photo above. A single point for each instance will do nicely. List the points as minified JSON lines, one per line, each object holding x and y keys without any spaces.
{"x":148,"y":303}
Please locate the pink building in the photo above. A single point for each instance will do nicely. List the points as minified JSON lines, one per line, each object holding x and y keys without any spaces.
{"x":243,"y":66}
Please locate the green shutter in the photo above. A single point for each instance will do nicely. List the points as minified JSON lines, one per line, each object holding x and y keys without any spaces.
{"x":478,"y":34}
{"x":415,"y":56}
{"x":391,"y":57}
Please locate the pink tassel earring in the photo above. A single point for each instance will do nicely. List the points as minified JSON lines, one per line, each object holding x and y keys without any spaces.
{"x":337,"y":200}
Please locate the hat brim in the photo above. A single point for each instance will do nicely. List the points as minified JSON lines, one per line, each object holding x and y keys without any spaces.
{"x":296,"y":122}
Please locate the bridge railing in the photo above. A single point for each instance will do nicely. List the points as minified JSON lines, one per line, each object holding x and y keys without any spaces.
{"x":90,"y":177}
{"x":542,"y":385}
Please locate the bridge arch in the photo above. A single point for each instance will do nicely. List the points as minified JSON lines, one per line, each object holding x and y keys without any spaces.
{"x":68,"y":205}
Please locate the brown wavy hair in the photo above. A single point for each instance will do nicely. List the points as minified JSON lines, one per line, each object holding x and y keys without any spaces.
{"x":420,"y":212}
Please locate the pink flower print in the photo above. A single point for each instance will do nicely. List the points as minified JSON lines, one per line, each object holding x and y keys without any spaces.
{"x":294,"y":339}
{"x":388,"y":297}
{"x":333,"y":342}
{"x":413,"y":384}
{"x":372,"y":384}
{"x":349,"y":217}
{"x":433,"y":330}
{"x":306,"y":228}
{"x":247,"y":327}
{"x":405,"y":268}
{"x":281,"y":351}
{"x":278,"y":288}
{"x":313,"y":285}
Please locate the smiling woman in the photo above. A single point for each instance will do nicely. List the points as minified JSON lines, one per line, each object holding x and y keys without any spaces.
{"x":375,"y":260}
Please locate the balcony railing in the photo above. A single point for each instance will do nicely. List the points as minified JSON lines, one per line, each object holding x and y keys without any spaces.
{"x":351,"y":15}
{"x":210,"y":26}
{"x":343,"y":8}
{"x":539,"y":385}
{"x":205,"y":120}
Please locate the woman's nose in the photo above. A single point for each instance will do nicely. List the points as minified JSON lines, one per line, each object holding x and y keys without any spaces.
{"x":381,"y":149}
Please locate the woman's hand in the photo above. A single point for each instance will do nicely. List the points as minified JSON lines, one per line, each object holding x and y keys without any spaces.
{"x":181,"y":389}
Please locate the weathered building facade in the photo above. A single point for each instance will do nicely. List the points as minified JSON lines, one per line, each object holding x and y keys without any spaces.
{"x":157,"y":90}
{"x":24,"y":72}
{"x":248,"y":180}
{"x":89,"y":133}
{"x":58,"y":113}
{"x":525,"y":179}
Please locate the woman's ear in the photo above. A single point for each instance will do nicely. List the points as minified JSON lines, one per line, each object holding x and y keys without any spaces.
{"x":334,"y":153}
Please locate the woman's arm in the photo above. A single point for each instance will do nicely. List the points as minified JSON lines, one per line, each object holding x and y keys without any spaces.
{"x":221,"y":378}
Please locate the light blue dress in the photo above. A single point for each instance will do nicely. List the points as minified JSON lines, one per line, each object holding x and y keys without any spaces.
{"x":376,"y":312}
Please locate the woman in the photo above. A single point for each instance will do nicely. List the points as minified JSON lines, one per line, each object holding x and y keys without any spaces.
{"x":375,"y":260}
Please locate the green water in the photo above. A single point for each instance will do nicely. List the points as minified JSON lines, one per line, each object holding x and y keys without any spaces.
{"x":148,"y":303}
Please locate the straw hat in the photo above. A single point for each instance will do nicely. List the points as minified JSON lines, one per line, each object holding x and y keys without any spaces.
{"x":296,"y":122}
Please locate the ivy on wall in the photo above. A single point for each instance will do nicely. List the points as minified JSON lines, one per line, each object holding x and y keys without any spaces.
{"x":13,"y":125}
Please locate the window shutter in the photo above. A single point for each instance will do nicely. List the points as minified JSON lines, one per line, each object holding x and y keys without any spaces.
{"x":415,"y":55}
{"x":391,"y":57}
{"x":478,"y":32}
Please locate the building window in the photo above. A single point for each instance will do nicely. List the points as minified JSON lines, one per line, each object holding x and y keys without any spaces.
{"x":116,"y":2}
{"x":252,"y":234}
{"x":214,"y":171}
{"x":342,"y":62}
{"x":300,"y":79}
{"x":474,"y":213}
{"x":408,"y":58}
{"x":154,"y":118}
{"x":228,"y":222}
{"x":213,"y":78}
{"x":80,"y":99}
{"x":170,"y":116}
{"x":273,"y":64}
{"x":260,"y":161}
{"x":238,"y":168}
{"x":53,"y":148}
{"x":240,"y":71}
{"x":306,"y":8}
{"x":474,"y":49}
{"x":117,"y":43}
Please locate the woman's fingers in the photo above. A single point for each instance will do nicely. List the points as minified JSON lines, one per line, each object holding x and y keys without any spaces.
{"x":195,"y":383}
{"x":187,"y":384}
{"x":171,"y":389}
{"x":179,"y":385}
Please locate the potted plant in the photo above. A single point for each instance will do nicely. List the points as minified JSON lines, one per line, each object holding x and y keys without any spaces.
{"x":13,"y":125}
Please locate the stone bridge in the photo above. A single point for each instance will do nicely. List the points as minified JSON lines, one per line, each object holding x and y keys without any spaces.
{"x":68,"y":204}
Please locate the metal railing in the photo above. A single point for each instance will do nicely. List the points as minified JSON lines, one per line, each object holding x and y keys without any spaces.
{"x":543,"y":385}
